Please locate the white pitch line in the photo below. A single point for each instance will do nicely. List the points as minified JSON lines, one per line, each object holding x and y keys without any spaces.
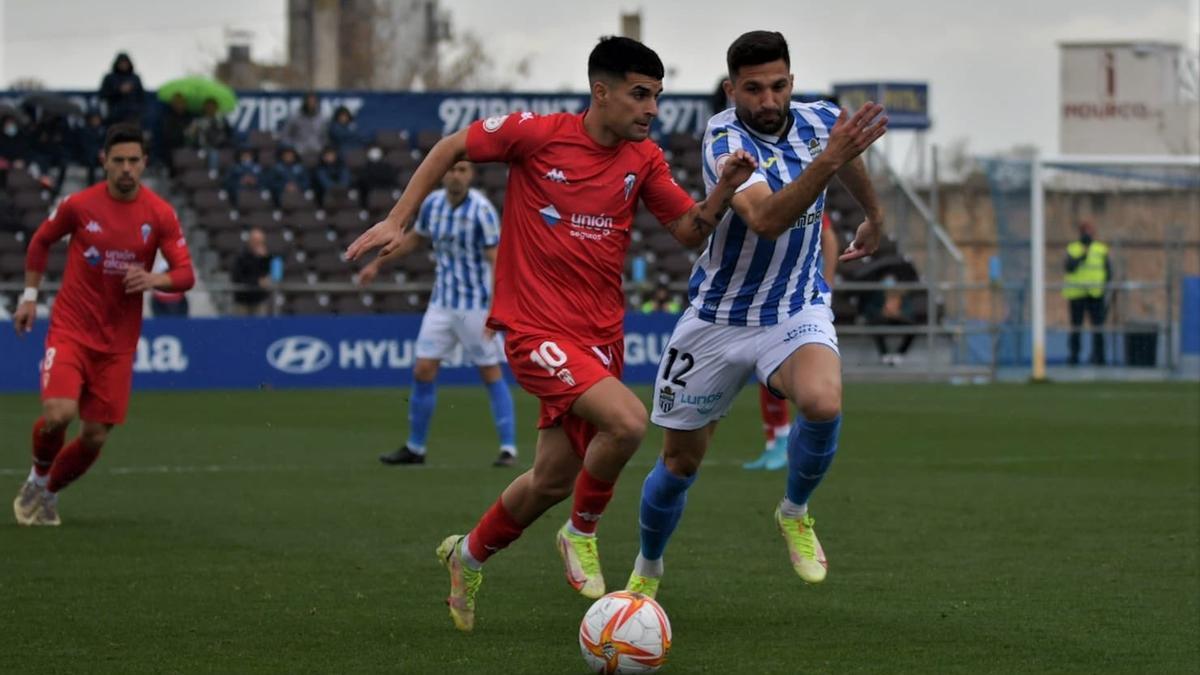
{"x":483,"y":466}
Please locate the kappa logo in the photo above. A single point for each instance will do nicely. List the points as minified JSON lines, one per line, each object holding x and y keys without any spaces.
{"x":550,"y":215}
{"x":299,"y":354}
{"x":525,"y":117}
{"x":666,"y":399}
{"x":556,"y":176}
{"x":93,"y":227}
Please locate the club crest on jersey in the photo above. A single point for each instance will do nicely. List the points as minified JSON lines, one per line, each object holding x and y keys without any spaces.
{"x":493,"y":124}
{"x":146,"y":232}
{"x":550,"y":215}
{"x":630,"y":179}
{"x":666,"y":399}
{"x":93,"y":227}
{"x":92,"y":256}
{"x":565,"y":375}
{"x":814,"y":146}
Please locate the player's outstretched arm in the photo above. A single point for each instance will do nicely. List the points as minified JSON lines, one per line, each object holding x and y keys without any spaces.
{"x":388,"y":232}
{"x":771,"y":214}
{"x":694,"y":227}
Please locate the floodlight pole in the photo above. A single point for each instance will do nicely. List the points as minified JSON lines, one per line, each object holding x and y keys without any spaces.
{"x":1037,"y":270}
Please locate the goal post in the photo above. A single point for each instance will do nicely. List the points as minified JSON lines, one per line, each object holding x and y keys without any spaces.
{"x":1103,"y":175}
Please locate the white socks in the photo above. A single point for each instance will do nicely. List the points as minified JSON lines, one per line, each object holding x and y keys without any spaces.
{"x":647,"y":568}
{"x":37,"y":480}
{"x":787,"y":508}
{"x":464,"y":551}
{"x":572,"y":530}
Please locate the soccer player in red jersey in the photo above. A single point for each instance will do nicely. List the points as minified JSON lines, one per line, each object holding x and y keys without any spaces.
{"x":573,"y":187}
{"x":116,"y":228}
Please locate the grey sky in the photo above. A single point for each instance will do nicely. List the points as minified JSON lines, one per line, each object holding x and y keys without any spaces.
{"x":992,"y":67}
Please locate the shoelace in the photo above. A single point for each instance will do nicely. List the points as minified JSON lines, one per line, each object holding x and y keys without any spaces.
{"x":801,"y":538}
{"x":589,"y":556}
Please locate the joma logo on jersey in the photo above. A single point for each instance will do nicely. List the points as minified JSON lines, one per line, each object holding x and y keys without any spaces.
{"x":556,"y":176}
{"x":808,"y":219}
{"x":802,"y":329}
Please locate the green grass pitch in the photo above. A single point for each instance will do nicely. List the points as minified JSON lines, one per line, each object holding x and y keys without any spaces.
{"x":969,"y":529}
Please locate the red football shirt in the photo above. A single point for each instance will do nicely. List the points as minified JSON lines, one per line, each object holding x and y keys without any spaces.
{"x":566,"y":224}
{"x":107,"y":236}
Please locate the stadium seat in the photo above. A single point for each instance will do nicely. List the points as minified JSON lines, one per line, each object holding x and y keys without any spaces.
{"x":186,"y":159}
{"x":10,"y":243}
{"x":427,"y":138}
{"x":210,"y":199}
{"x":29,"y":200}
{"x":317,"y":240}
{"x":261,"y":141}
{"x":351,"y":304}
{"x":301,"y":221}
{"x":197,"y":179}
{"x":20,"y":180}
{"x":391,"y":140}
{"x":252,"y":200}
{"x":292,"y":200}
{"x":382,"y":200}
{"x":306,"y":303}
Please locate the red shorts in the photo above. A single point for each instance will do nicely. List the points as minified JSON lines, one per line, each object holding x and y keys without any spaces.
{"x":99,"y":381}
{"x":557,"y":371}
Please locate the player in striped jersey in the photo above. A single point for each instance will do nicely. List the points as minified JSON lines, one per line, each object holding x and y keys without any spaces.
{"x":759,"y":304}
{"x":465,"y":231}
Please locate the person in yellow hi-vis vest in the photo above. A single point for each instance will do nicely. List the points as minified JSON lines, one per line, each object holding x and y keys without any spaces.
{"x":1088,"y":271}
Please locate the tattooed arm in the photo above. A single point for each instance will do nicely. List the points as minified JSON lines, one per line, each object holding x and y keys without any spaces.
{"x":693,"y":228}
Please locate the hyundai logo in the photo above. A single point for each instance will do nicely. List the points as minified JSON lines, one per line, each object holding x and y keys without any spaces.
{"x":299,"y":354}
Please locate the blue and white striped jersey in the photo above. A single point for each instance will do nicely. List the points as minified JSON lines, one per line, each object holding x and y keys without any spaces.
{"x":742,"y":280}
{"x":460,"y":234}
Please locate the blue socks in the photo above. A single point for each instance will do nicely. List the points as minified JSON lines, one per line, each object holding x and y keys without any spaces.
{"x":663,"y":497}
{"x":811,"y":447}
{"x":502,"y":414}
{"x":420,"y":411}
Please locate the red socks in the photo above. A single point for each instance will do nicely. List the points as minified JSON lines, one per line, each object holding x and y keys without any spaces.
{"x":591,"y":497}
{"x":45,"y":446}
{"x":774,"y":411}
{"x":71,"y":463}
{"x":494,"y":532}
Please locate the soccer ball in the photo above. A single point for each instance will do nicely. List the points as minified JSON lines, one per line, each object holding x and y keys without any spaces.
{"x":625,"y":632}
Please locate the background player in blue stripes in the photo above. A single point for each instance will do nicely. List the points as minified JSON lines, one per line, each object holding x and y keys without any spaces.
{"x":465,"y":230}
{"x":758,"y":302}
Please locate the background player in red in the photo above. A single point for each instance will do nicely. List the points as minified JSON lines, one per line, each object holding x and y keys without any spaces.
{"x":776,"y":425}
{"x":116,"y":229}
{"x":574,"y":183}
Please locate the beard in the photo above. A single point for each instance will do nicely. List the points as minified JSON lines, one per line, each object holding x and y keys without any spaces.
{"x":768,"y":121}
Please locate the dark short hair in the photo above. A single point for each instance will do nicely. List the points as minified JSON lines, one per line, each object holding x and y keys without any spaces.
{"x":124,"y":132}
{"x":754,"y":48}
{"x":616,"y":57}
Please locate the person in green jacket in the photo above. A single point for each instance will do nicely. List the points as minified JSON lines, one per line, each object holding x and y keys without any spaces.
{"x":1088,"y":271}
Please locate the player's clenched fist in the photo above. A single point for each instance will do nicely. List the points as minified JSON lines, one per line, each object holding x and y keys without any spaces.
{"x":737,"y":166}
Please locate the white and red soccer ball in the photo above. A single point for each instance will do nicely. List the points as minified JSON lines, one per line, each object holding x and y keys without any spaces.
{"x":625,"y":632}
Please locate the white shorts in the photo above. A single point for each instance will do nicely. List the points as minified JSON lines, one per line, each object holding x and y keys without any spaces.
{"x":705,"y":364}
{"x":442,"y":330}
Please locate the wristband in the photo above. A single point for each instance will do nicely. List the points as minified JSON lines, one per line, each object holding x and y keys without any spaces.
{"x":30,"y":295}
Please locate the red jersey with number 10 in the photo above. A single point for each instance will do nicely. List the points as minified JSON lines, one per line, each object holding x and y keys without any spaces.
{"x":568,"y":213}
{"x":107,"y":237}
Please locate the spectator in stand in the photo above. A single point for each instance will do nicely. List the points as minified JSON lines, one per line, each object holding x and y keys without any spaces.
{"x":52,"y":141}
{"x":288,"y":174}
{"x":15,"y":144}
{"x":175,"y":120}
{"x":662,"y":301}
{"x":377,"y":174}
{"x":122,"y":93}
{"x":89,"y":141}
{"x":246,"y":173}
{"x":305,"y":131}
{"x":343,"y":131}
{"x":210,"y":133}
{"x":252,"y":271}
{"x":890,"y":308}
{"x":331,"y":172}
